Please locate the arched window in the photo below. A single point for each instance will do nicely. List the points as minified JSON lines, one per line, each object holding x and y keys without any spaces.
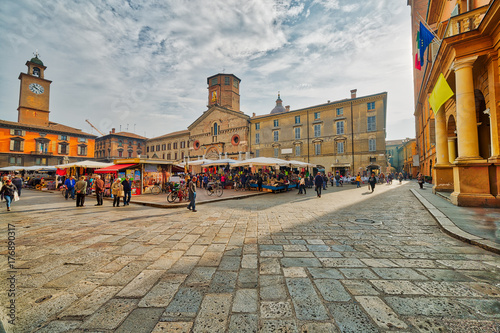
{"x":215,"y":129}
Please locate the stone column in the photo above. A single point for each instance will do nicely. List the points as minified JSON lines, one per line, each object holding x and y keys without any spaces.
{"x":470,"y":172}
{"x":468,"y":145}
{"x":452,"y":150}
{"x":442,"y":157}
{"x":442,"y":171}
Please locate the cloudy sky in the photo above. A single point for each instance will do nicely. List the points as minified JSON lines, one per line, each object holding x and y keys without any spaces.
{"x":143,"y":64}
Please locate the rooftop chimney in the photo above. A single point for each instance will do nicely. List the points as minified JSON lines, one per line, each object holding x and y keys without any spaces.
{"x":353,"y":93}
{"x":287,"y":108}
{"x":112,"y":131}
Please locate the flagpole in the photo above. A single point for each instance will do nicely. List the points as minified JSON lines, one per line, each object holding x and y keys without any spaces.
{"x":428,"y":27}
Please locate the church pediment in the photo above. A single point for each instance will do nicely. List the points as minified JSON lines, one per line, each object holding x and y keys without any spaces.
{"x":213,"y":112}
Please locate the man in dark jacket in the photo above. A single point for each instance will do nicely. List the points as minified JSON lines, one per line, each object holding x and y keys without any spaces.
{"x":81,"y":191}
{"x":318,"y":182}
{"x":128,"y":192}
{"x":19,"y":183}
{"x":99,"y":190}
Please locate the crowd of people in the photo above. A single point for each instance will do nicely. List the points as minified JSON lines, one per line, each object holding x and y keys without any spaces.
{"x":120,"y":189}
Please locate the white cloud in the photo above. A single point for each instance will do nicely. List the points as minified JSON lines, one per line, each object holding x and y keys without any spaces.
{"x":146,"y":63}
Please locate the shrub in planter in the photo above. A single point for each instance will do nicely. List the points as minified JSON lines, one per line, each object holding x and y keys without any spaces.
{"x":428,"y":179}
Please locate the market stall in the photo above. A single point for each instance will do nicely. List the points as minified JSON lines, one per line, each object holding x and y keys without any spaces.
{"x":130,"y":171}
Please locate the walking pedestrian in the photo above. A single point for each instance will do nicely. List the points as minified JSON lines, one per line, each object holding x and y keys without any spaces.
{"x":358,"y":180}
{"x":117,"y":191}
{"x":127,"y":190}
{"x":8,"y":192}
{"x":318,"y":182}
{"x":372,"y":181}
{"x":70,"y":187}
{"x":99,"y":190}
{"x":192,"y":195}
{"x":18,"y":182}
{"x":81,"y":191}
{"x":325,"y":182}
{"x":337,"y":179}
{"x":420,"y":180}
{"x":302,"y":185}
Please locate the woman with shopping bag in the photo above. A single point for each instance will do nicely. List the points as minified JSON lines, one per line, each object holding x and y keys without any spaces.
{"x":9,"y":192}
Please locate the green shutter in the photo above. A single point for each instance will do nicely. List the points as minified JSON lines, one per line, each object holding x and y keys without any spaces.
{"x":12,"y":144}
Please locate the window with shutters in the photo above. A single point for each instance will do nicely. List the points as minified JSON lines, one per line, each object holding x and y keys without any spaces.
{"x":276,"y":152}
{"x":257,"y":126}
{"x":317,"y":131}
{"x":169,"y":146}
{"x":297,"y":119}
{"x":16,"y":145}
{"x":257,"y":153}
{"x":120,"y":153}
{"x":169,"y":156}
{"x":276,"y":122}
{"x":82,"y":150}
{"x":129,"y":154}
{"x":257,"y":138}
{"x":276,"y":136}
{"x":371,"y":127}
{"x":340,"y":112}
{"x":120,"y":142}
{"x":297,"y":133}
{"x":175,"y":147}
{"x":157,"y":147}
{"x":316,"y":115}
{"x":63,"y":149}
{"x":372,"y":145}
{"x":175,"y":156}
{"x":340,"y":147}
{"x":340,"y":127}
{"x":317,"y":149}
{"x":371,"y":106}
{"x":297,"y":150}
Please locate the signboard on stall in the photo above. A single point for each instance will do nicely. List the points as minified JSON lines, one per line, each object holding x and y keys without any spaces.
{"x":151,"y":168}
{"x":137,"y":175}
{"x":129,"y":173}
{"x":175,"y":179}
{"x":121,"y":174}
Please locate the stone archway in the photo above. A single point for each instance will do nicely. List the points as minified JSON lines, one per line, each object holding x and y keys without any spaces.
{"x":452,"y":138}
{"x":483,"y":130}
{"x":212,"y":153}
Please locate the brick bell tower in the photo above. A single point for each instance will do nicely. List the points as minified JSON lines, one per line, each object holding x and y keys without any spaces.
{"x":34,"y":94}
{"x":224,"y":91}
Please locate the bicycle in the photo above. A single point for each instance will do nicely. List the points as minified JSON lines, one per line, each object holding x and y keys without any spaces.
{"x":214,"y":188}
{"x":178,"y":192}
{"x":156,"y":189}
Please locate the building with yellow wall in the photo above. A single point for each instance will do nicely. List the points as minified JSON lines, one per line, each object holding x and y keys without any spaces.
{"x":347,"y":136}
{"x":459,"y":145}
{"x":34,"y":139}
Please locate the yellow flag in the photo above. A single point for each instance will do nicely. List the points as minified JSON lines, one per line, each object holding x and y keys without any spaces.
{"x":440,"y":94}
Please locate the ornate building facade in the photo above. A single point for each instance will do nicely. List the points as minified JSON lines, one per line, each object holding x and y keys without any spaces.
{"x":34,"y":139}
{"x":459,"y":145}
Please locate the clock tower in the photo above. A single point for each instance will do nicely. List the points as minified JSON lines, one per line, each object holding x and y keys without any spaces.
{"x":34,"y":94}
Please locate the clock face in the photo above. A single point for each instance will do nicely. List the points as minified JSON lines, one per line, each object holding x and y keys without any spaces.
{"x":36,"y":88}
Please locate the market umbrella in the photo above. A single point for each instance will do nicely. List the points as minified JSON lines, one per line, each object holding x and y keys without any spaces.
{"x":260,"y":161}
{"x":220,"y":162}
{"x":12,"y":168}
{"x":84,"y":164}
{"x":300,"y":164}
{"x":196,"y":162}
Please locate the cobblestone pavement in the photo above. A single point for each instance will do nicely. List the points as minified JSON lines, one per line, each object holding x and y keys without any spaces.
{"x":270,"y":263}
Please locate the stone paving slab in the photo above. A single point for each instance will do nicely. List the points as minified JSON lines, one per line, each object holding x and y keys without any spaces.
{"x":270,"y":263}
